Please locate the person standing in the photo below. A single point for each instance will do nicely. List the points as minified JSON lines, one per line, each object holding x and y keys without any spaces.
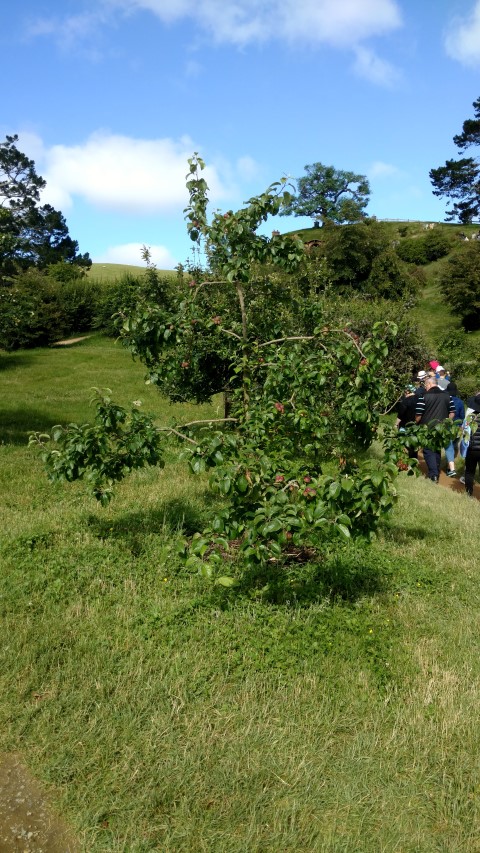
{"x":420,"y":389}
{"x":406,"y":408}
{"x":472,"y":458}
{"x":452,"y":449}
{"x":434,"y":407}
{"x":442,"y":378}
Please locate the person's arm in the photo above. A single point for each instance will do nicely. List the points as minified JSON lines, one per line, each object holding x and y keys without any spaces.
{"x":420,"y":408}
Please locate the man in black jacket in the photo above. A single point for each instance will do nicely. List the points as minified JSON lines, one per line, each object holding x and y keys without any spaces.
{"x":434,"y":407}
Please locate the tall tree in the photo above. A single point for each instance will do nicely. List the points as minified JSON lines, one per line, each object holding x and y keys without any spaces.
{"x":30,"y":234}
{"x":459,"y":180}
{"x":330,"y":195}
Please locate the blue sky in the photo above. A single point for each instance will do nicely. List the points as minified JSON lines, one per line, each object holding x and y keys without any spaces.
{"x":110,"y":97}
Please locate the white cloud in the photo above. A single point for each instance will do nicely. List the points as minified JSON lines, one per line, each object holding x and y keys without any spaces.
{"x":247,"y":169}
{"x":336,"y":22}
{"x":131,"y":253}
{"x":112,"y":172}
{"x":379,"y":169}
{"x":373,"y":68}
{"x":342,"y":23}
{"x":462,"y":41}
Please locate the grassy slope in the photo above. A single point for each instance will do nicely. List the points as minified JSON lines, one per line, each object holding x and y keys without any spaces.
{"x":431,"y":313}
{"x":112,"y":272}
{"x":339,"y":716}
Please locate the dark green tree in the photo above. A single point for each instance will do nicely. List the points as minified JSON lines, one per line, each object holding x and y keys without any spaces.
{"x":330,"y":195}
{"x":45,"y":240}
{"x":459,"y":180}
{"x":359,"y":259}
{"x":460,"y":285}
{"x":30,"y":234}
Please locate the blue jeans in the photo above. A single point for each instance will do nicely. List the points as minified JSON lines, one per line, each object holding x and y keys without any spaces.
{"x":450,"y":452}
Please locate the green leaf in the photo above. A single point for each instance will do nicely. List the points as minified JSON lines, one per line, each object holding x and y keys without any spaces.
{"x":206,"y":571}
{"x":226,"y":580}
{"x":225,"y":485}
{"x":343,"y":530}
{"x":272,"y":527}
{"x":334,"y":490}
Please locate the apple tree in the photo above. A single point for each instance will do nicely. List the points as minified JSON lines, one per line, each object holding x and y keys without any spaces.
{"x":290,"y":461}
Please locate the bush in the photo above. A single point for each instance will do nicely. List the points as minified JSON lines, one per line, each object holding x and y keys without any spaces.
{"x":38,"y":309}
{"x":460,"y":285}
{"x":407,"y":350}
{"x":122,"y":293}
{"x":390,"y":278}
{"x":412,"y":251}
{"x":424,"y":250}
{"x":437,"y":245}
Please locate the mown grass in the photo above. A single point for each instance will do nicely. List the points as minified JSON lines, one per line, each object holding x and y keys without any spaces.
{"x":335,"y":712}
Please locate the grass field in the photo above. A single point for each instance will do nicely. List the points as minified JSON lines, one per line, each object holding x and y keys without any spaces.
{"x":339,"y":714}
{"x":113,"y":272}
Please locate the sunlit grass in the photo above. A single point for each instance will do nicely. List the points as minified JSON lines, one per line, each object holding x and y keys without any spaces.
{"x":340,"y":715}
{"x":105,"y":273}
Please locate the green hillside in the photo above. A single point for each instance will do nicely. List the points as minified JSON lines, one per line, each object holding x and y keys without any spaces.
{"x":401,"y":229}
{"x":431,"y":311}
{"x":112,"y":272}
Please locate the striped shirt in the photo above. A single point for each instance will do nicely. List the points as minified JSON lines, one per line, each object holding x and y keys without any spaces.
{"x":435,"y":406}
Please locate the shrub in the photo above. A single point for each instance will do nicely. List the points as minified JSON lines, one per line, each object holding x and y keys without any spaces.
{"x":389,"y":278}
{"x":412,"y":251}
{"x":460,"y":285}
{"x":437,"y":245}
{"x":424,"y":250}
{"x":111,"y":298}
{"x":38,"y":309}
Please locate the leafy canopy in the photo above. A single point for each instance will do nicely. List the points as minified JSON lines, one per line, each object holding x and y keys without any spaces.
{"x":460,"y":284}
{"x":459,"y":180}
{"x":30,"y":234}
{"x":289,"y":463}
{"x":330,"y":195}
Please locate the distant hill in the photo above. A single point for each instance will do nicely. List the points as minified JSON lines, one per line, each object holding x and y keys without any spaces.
{"x":401,"y":229}
{"x":112,"y":272}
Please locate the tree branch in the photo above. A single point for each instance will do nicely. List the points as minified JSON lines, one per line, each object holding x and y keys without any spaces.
{"x":228,"y":332}
{"x":194,"y":423}
{"x":241,"y":301}
{"x":210,"y":421}
{"x":282,"y":340}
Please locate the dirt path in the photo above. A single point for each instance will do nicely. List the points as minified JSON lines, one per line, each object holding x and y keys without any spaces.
{"x":28,"y":824}
{"x":452,"y":483}
{"x":70,"y":341}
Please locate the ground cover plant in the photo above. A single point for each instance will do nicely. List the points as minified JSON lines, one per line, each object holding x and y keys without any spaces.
{"x":335,"y":710}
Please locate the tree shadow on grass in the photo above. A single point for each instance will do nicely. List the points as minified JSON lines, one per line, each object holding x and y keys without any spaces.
{"x":404,"y":534}
{"x":347,"y":575}
{"x":10,"y":361}
{"x":16,"y":424}
{"x":175,"y":517}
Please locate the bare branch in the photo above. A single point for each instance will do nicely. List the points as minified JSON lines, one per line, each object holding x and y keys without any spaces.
{"x":241,"y":301}
{"x":282,"y":340}
{"x":194,"y":423}
{"x":176,"y":432}
{"x":210,"y":421}
{"x":229,"y":332}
